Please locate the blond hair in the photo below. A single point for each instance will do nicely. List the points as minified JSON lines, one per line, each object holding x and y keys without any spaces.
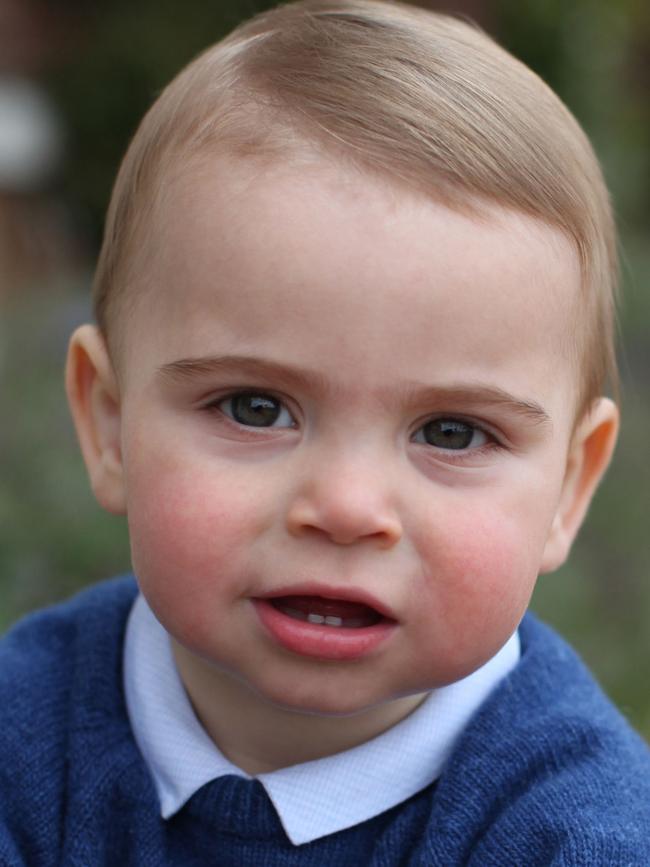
{"x":413,"y":95}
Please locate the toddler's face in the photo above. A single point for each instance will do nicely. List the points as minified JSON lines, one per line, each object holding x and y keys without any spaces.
{"x":346,"y":414}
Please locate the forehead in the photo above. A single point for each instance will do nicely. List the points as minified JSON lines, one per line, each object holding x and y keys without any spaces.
{"x":252,"y":253}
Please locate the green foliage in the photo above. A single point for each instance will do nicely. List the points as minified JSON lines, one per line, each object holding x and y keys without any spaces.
{"x":53,"y":537}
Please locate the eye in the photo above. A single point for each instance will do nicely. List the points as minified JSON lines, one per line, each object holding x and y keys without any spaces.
{"x":451,"y":434}
{"x":256,"y":409}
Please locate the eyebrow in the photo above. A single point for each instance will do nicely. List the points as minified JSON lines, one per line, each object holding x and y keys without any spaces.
{"x":476,"y":394}
{"x":246,"y":365}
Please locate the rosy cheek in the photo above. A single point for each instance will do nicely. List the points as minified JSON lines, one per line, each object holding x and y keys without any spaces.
{"x":186,"y":535}
{"x":479,"y":573}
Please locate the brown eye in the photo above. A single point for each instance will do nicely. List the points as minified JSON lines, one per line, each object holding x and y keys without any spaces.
{"x":256,"y":410}
{"x":450,"y":433}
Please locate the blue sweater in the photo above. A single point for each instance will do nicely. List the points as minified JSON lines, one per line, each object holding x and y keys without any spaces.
{"x":547,"y":772}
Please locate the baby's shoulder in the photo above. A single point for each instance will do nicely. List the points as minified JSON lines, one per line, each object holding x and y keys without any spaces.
{"x":42,"y":653}
{"x":549,"y":770}
{"x":59,"y":667}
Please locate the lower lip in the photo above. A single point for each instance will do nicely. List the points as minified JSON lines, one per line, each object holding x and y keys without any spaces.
{"x":321,"y":642}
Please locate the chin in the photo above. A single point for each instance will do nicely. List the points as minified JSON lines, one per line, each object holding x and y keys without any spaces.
{"x":319,"y":699}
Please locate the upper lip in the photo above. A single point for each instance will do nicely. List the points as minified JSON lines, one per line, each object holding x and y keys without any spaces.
{"x":330,"y":591}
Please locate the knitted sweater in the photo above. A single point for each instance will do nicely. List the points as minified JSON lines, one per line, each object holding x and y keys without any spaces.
{"x":547,"y":773}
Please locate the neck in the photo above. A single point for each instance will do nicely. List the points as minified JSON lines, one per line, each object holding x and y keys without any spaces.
{"x":258,"y":736}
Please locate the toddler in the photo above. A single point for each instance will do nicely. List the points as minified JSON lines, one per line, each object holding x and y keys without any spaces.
{"x":353,"y":331}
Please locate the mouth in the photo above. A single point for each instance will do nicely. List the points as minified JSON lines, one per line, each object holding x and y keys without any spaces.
{"x":337,"y":613}
{"x":325,"y":626}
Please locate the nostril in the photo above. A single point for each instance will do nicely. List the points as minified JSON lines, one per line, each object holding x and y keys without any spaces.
{"x":345,"y":523}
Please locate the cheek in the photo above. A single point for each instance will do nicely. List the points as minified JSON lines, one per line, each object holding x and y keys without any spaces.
{"x":486,"y":547}
{"x":478,"y":574}
{"x":494,"y":572}
{"x":188,"y":536}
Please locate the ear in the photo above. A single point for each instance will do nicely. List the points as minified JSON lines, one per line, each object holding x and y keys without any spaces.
{"x":589,"y":455}
{"x":94,"y":399}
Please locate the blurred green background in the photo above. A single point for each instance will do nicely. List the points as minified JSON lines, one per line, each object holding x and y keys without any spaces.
{"x":98,"y":66}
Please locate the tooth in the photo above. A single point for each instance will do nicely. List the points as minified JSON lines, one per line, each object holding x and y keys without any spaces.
{"x":334,"y":621}
{"x":315,"y":618}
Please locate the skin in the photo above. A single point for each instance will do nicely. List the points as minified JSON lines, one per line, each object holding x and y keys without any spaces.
{"x":367,"y":312}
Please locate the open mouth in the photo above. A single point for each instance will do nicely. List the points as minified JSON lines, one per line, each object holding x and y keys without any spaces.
{"x":325,"y":627}
{"x":327,"y":612}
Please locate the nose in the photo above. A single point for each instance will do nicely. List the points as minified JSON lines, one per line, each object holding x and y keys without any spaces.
{"x":346,"y":505}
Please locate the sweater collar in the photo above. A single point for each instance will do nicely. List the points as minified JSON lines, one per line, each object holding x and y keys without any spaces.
{"x":313,"y":799}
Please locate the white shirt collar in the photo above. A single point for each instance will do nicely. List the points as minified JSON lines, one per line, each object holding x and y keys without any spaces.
{"x":312,"y":799}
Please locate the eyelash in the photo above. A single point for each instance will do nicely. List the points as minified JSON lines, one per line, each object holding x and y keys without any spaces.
{"x":492,"y":442}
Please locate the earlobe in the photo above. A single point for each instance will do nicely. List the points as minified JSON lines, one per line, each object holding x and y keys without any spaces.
{"x":93,"y":395}
{"x":591,"y":450}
